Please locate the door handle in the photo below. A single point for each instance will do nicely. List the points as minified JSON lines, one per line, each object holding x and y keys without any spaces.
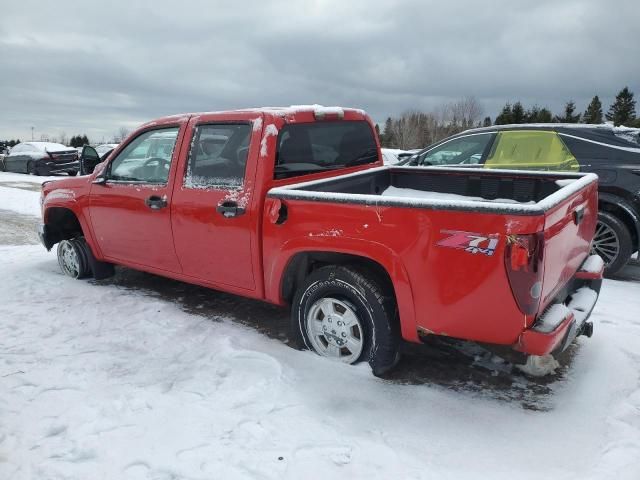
{"x":230,"y":209}
{"x":155,"y":202}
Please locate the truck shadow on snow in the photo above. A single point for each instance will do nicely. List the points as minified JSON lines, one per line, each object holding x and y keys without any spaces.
{"x":442,"y":362}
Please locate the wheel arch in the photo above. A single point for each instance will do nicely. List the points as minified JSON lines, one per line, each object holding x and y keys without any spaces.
{"x":63,"y":223}
{"x":618,"y":207}
{"x":292,"y":267}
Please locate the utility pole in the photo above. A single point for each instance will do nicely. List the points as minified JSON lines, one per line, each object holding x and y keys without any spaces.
{"x":32,"y":133}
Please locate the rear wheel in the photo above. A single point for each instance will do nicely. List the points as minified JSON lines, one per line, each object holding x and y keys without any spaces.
{"x":612,"y":241}
{"x":340,"y":314}
{"x":73,"y":258}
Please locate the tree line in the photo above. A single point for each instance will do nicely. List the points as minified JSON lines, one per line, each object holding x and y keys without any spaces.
{"x":416,"y":129}
{"x":78,"y":141}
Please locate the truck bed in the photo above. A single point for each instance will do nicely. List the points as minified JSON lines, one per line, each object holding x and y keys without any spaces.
{"x":414,"y":212}
{"x":497,"y":191}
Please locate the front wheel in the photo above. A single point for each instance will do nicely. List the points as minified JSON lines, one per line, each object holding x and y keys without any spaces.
{"x":612,"y":241}
{"x":73,"y":258}
{"x":340,"y":314}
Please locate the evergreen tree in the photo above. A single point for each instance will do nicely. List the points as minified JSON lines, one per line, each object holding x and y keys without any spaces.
{"x":623,"y":110}
{"x":85,"y":141}
{"x":545,"y":116}
{"x":569,"y":114}
{"x":388,"y":133}
{"x":593,"y":113}
{"x":518,"y":113}
{"x":531,"y":115}
{"x":505,"y":117}
{"x":487,"y":122}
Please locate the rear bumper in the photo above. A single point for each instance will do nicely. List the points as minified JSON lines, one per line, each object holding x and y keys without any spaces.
{"x":561,"y":323}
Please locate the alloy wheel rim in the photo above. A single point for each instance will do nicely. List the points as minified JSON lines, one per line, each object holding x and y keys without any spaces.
{"x":334,"y":330}
{"x":70,"y":260}
{"x":606,"y":243}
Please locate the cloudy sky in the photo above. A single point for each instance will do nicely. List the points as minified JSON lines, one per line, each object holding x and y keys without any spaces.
{"x":94,"y":67}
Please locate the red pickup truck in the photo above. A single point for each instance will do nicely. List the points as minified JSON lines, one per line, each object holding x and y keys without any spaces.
{"x":365,"y":255}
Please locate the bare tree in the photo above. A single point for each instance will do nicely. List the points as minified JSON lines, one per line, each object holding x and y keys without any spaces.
{"x":123,"y":132}
{"x":465,"y":113}
{"x":415,"y":129}
{"x":63,"y":138}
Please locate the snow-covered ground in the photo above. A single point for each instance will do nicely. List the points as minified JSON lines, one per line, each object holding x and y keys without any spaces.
{"x":98,"y":380}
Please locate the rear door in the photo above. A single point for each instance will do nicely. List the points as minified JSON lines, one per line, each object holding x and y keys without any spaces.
{"x":130,"y":213}
{"x":214,"y":212}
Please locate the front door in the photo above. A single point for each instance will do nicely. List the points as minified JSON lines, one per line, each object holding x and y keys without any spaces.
{"x":130,"y":212}
{"x":213,"y":218}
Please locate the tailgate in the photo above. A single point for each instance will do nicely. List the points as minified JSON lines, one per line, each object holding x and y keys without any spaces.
{"x":568,"y":230}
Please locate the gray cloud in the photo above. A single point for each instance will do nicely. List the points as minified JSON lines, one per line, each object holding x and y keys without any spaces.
{"x":81,"y":67}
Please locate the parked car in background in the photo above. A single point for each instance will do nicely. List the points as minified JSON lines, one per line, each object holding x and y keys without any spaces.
{"x":611,"y":152}
{"x":4,"y":149}
{"x":390,"y":156}
{"x":105,"y":148}
{"x":41,"y":158}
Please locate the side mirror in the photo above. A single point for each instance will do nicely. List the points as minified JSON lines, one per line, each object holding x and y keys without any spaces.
{"x":89,"y":158}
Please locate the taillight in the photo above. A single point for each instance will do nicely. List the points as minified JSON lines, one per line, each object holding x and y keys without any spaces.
{"x":524,"y":264}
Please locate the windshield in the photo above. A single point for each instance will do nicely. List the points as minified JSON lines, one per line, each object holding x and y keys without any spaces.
{"x":311,"y":147}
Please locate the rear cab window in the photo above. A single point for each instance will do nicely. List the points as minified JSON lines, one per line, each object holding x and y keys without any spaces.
{"x":305,"y":148}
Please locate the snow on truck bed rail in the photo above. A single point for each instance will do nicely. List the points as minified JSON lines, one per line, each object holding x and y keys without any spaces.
{"x":412,"y":193}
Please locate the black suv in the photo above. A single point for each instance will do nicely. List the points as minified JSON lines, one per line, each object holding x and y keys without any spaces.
{"x":611,"y":152}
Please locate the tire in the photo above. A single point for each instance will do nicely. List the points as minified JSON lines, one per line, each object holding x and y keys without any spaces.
{"x":339,"y":313}
{"x":73,"y":258}
{"x":2,"y":167}
{"x":32,"y":169}
{"x":612,"y":242}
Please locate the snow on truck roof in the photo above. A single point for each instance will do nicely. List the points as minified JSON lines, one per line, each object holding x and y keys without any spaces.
{"x":319,"y":110}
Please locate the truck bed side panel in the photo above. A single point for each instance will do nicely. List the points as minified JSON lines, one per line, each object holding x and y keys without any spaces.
{"x":453,"y":291}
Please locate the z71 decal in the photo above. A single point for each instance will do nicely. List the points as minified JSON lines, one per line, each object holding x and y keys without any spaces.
{"x":469,"y":242}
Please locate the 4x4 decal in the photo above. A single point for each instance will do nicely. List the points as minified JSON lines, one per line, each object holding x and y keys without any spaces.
{"x":470,"y":242}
